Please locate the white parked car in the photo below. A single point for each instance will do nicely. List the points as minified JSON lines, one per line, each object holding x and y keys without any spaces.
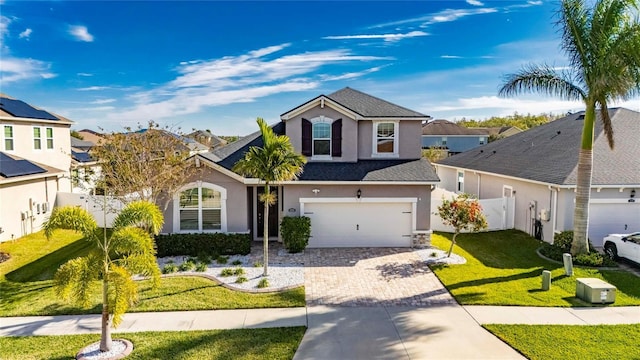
{"x":623,"y":245}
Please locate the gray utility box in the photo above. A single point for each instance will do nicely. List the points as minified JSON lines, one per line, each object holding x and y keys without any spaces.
{"x":595,"y":291}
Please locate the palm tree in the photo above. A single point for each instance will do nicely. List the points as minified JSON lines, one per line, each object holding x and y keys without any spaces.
{"x":128,"y":250}
{"x":275,"y":161}
{"x":602,"y":44}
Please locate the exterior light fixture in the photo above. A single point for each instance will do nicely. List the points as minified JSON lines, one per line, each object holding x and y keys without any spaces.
{"x":359,"y":193}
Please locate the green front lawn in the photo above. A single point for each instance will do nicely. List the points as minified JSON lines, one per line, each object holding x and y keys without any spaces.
{"x":273,"y":343}
{"x":550,"y":342}
{"x":26,"y":287}
{"x":503,"y":269}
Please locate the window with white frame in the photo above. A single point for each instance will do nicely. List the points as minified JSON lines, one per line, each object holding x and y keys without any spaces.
{"x":8,"y":138}
{"x":482,"y":140}
{"x":321,"y":139}
{"x":385,"y":139}
{"x":460,"y":182}
{"x":37,"y":138}
{"x":49,"y":133}
{"x":201,"y":207}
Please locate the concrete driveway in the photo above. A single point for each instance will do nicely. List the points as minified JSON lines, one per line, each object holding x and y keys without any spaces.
{"x":370,"y":277}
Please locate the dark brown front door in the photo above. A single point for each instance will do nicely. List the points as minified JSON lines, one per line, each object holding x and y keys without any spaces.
{"x":273,"y":215}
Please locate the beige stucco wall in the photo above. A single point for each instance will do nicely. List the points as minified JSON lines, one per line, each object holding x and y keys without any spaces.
{"x":349,"y":131}
{"x":15,"y":199}
{"x":409,"y":145}
{"x":236,"y":200}
{"x":293,"y":193}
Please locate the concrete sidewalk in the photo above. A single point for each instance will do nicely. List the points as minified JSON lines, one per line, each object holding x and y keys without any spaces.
{"x":606,"y":315}
{"x":156,"y":321}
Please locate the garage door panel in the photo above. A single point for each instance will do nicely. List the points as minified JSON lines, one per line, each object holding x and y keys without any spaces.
{"x":359,"y":224}
{"x":607,"y":219}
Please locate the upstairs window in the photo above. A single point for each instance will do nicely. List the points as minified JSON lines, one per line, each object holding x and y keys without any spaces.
{"x":37,"y":138}
{"x":8,"y":138}
{"x":385,"y":142}
{"x":460,"y":187}
{"x":321,"y":139}
{"x":49,"y":133}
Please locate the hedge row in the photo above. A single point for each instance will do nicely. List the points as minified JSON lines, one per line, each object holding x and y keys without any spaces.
{"x":203,"y":244}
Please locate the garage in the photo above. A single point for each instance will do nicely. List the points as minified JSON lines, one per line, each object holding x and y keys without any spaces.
{"x":362,"y":223}
{"x":616,"y":218}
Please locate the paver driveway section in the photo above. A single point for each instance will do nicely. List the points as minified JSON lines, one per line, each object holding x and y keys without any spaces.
{"x":371,"y":277}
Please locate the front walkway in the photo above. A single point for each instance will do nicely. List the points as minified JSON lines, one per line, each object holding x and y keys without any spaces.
{"x":371,"y":277}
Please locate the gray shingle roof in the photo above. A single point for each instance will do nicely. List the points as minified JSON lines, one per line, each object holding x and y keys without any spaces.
{"x":371,"y":106}
{"x":445,"y":127}
{"x":549,"y":153}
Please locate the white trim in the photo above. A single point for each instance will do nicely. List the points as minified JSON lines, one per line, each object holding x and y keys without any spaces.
{"x":321,"y":120}
{"x":396,"y":139}
{"x":12,"y":138}
{"x":200,"y":185}
{"x":30,"y":120}
{"x":321,"y":101}
{"x":227,"y":172}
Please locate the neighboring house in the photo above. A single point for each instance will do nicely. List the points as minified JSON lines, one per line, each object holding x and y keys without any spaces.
{"x":499,"y":132}
{"x":444,"y":134}
{"x":34,"y":164}
{"x":205,"y":137}
{"x":91,"y":136}
{"x":190,"y":144}
{"x":84,"y":170}
{"x":539,"y":167}
{"x":364,"y":184}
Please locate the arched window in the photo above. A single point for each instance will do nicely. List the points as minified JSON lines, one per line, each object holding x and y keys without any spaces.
{"x":200,"y":207}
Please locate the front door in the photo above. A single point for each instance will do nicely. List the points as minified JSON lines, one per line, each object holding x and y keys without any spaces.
{"x":273,"y":214}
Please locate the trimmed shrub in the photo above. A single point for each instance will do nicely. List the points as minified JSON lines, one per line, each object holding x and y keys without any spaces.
{"x":202,"y":244}
{"x":202,"y":267}
{"x":295,"y":233}
{"x":563,"y":241}
{"x":221,"y":259}
{"x":169,"y":268}
{"x":562,"y":244}
{"x":226,"y":272}
{"x":188,"y":266}
{"x":236,"y":262}
{"x":238,"y":271}
{"x":263,"y":283}
{"x":241,"y":279}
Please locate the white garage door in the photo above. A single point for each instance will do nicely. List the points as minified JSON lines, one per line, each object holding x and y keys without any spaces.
{"x":604,"y":219}
{"x":359,"y":224}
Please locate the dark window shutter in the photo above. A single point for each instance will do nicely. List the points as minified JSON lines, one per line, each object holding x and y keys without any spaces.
{"x":336,"y":138}
{"x":306,"y":137}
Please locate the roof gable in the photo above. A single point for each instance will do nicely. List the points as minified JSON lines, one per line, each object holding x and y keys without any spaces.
{"x":357,"y":105}
{"x":448,"y":128}
{"x":549,"y":153}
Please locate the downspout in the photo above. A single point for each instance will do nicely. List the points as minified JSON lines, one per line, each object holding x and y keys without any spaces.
{"x":478,"y":185}
{"x":554,"y":206}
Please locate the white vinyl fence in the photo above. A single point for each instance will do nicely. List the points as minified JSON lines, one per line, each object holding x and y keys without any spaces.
{"x":94,"y":204}
{"x":499,"y":212}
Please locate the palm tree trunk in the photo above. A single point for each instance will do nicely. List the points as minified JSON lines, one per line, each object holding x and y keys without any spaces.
{"x":453,"y":242}
{"x":580,"y":244}
{"x":105,"y":335}
{"x":265,"y":255}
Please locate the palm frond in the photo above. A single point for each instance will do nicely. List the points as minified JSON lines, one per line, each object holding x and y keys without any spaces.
{"x":123,"y":293}
{"x":541,"y":79}
{"x":74,"y":279}
{"x":70,"y":218}
{"x":606,"y":122}
{"x":140,"y":213}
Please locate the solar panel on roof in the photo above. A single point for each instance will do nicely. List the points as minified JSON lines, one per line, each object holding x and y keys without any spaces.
{"x":19,"y":108}
{"x":10,"y":167}
{"x":81,"y":156}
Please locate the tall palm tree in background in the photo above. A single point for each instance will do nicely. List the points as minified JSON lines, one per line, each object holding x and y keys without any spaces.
{"x":114,"y":259}
{"x":275,"y":161}
{"x":602,"y":44}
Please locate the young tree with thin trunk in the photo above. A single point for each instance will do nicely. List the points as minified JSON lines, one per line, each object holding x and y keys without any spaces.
{"x":462,"y":213}
{"x":113,"y":259}
{"x":146,"y":164}
{"x":602,"y":44}
{"x":275,"y":161}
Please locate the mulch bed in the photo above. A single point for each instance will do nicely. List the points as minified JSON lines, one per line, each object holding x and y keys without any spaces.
{"x":4,"y":257}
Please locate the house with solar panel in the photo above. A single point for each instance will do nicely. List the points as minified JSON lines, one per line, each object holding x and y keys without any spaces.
{"x":34,"y":164}
{"x":85,"y":170}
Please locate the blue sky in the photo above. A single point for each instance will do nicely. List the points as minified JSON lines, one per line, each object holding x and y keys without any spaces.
{"x":219,"y":65}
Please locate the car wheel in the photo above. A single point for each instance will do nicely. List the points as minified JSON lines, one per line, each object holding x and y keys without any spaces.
{"x":611,"y":251}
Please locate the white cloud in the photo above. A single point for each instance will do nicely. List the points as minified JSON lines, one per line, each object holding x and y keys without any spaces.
{"x":4,"y":26}
{"x":534,"y":2}
{"x":103,"y":101}
{"x":475,"y":3}
{"x":446,"y":15}
{"x":385,"y":37}
{"x":93,"y":88}
{"x":352,"y":75}
{"x":506,"y":106}
{"x":16,"y":69}
{"x":450,"y":57}
{"x":80,"y":33}
{"x":25,"y":34}
{"x":239,"y":79}
{"x":84,"y":74}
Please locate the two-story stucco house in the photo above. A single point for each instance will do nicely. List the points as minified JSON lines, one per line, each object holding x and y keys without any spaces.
{"x":34,"y":164}
{"x":364,"y":183}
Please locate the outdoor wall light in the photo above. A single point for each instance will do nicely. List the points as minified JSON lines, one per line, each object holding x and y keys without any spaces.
{"x":633,"y":193}
{"x":359,"y":193}
{"x":315,"y":191}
